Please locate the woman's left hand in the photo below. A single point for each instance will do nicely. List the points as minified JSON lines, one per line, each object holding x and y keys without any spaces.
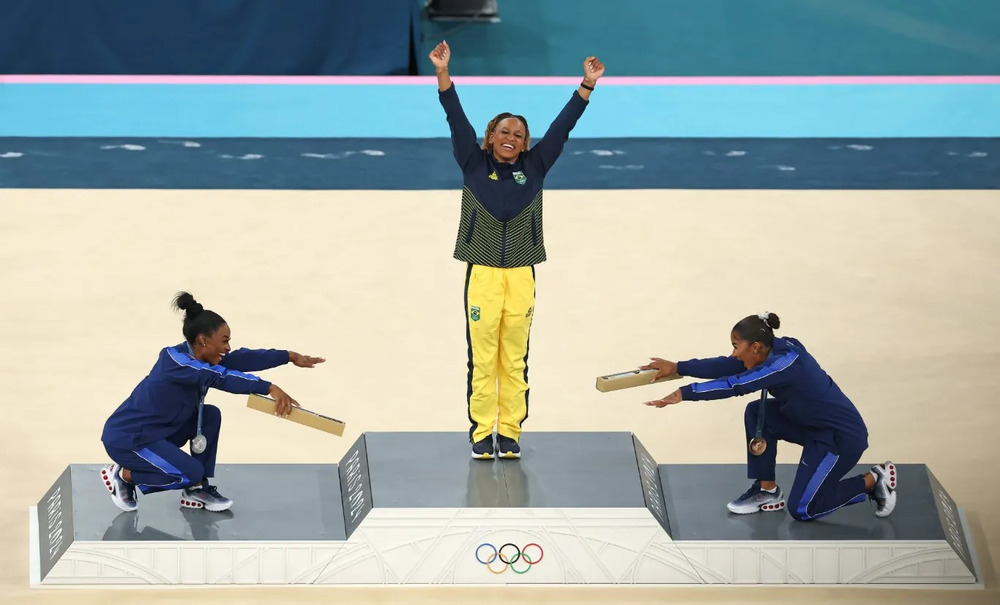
{"x":592,"y":69}
{"x":670,"y":399}
{"x":304,"y":361}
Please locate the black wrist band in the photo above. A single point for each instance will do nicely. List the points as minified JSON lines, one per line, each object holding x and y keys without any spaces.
{"x":591,"y":88}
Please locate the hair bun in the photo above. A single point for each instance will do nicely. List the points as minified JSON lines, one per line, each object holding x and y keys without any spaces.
{"x":185,"y":302}
{"x":770,"y":320}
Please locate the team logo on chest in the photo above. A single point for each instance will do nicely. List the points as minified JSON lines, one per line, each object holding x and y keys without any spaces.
{"x":519,"y":178}
{"x":493,"y":176}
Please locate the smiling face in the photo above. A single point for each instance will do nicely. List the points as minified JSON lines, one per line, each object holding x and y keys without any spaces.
{"x":211,"y":348}
{"x":508,"y":139}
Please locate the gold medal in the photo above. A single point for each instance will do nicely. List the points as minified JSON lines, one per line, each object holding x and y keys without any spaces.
{"x":757,"y":446}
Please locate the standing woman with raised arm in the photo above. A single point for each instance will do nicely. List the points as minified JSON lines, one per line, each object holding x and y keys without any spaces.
{"x":500,"y":239}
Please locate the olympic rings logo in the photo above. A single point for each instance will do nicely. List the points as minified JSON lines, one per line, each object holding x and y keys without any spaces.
{"x":508,"y":559}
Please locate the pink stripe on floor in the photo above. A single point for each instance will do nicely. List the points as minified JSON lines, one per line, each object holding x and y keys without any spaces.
{"x":501,"y":80}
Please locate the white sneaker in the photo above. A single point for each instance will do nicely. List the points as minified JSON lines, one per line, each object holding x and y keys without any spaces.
{"x":884,"y":491}
{"x":122,"y":492}
{"x":206,"y":496}
{"x":755,"y":500}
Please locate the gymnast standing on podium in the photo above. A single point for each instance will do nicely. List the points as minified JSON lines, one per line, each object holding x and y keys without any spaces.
{"x":500,"y":238}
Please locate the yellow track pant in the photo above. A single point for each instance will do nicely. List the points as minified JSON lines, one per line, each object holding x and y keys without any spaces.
{"x":499,"y":305}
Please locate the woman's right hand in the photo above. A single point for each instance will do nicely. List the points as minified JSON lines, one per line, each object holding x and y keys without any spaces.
{"x":440,"y":56}
{"x":283,"y":403}
{"x":662,"y":367}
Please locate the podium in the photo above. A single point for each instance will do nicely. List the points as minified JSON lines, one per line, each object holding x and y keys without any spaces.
{"x":413,"y":508}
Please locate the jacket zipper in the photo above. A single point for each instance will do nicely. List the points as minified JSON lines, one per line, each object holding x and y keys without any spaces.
{"x":503,"y":244}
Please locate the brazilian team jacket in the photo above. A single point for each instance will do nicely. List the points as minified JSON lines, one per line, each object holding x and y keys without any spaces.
{"x":801,"y":391}
{"x":169,"y":396}
{"x":501,"y":224}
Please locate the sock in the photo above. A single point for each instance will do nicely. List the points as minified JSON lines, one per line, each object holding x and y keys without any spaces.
{"x":772,"y":490}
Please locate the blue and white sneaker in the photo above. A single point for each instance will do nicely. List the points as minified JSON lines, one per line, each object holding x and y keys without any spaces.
{"x":507,"y":447}
{"x":484,"y":448}
{"x":884,"y":491}
{"x":755,"y":500}
{"x":122,"y":492}
{"x":205,"y":496}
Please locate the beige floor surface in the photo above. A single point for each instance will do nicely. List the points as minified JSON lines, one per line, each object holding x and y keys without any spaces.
{"x":896,"y":293}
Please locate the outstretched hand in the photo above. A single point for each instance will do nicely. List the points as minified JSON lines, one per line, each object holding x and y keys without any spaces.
{"x":670,"y":399}
{"x":662,"y":366}
{"x":592,"y":69}
{"x":304,"y":361}
{"x":441,"y":55}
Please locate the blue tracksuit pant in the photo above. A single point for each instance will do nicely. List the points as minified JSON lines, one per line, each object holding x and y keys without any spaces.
{"x":819,"y":487}
{"x":162,"y":465}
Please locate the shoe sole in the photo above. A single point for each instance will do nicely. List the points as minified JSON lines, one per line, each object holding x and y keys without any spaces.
{"x":890,"y":474}
{"x":890,"y":505}
{"x":891,"y":478}
{"x":488,"y":456}
{"x":759,"y":509}
{"x":110,"y":485}
{"x":214,"y":508}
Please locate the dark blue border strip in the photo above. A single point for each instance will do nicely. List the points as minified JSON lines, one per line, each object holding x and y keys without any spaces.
{"x":415,"y":164}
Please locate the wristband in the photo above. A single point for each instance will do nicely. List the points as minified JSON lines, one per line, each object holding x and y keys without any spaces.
{"x":583,"y":85}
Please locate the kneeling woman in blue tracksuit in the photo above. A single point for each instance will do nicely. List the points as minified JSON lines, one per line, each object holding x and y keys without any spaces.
{"x":806,"y":407}
{"x":145,"y":434}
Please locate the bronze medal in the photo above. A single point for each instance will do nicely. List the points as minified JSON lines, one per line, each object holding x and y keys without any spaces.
{"x":758,"y":444}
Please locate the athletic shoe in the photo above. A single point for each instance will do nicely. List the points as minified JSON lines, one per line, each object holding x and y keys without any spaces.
{"x":483,"y":449}
{"x":206,"y":496}
{"x":122,"y":492}
{"x":884,"y":491}
{"x":508,"y":447}
{"x":755,"y":500}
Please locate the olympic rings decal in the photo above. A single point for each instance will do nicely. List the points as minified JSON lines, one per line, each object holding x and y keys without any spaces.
{"x":508,"y":559}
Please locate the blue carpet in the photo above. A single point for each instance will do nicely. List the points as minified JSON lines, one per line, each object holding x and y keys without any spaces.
{"x":409,"y":164}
